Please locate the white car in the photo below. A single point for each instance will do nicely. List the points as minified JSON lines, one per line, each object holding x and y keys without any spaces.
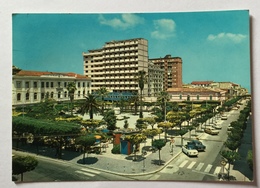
{"x":224,"y":117}
{"x":216,"y":126}
{"x":190,"y":150}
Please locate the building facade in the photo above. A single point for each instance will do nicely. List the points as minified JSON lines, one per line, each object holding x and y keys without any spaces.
{"x":196,"y":94}
{"x":30,"y":87}
{"x":116,"y":64}
{"x":155,"y":79}
{"x":172,"y":71}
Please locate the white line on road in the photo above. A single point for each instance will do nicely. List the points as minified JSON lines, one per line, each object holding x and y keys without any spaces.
{"x":85,"y":173}
{"x":88,"y":170}
{"x":217,"y":170}
{"x":199,"y":166}
{"x":208,"y":168}
{"x":183,"y":163}
{"x":191,"y":165}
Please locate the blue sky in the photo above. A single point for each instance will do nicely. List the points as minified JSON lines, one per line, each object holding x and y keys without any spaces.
{"x":213,"y":45}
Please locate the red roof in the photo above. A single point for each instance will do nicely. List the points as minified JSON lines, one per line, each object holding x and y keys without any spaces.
{"x":193,"y":90}
{"x":201,"y":82}
{"x":41,"y":73}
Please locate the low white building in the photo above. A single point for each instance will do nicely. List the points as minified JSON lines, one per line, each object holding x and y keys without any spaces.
{"x":30,"y":87}
{"x":196,"y":94}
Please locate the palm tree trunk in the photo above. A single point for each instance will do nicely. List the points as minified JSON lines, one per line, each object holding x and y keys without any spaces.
{"x":159,"y":157}
{"x":141,"y":105}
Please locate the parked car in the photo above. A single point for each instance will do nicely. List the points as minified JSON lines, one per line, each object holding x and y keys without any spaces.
{"x":224,"y":117}
{"x":197,"y":145}
{"x":229,"y":128}
{"x":211,"y":131}
{"x":190,"y":150}
{"x":216,"y":126}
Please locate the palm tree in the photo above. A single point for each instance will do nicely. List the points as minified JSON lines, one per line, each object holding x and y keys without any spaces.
{"x":71,"y":87}
{"x":142,"y":79}
{"x":102,"y":92}
{"x":90,"y":106}
{"x":162,"y":98}
{"x":135,"y":99}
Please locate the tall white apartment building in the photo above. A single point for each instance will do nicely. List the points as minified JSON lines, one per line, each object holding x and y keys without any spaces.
{"x":30,"y":87}
{"x":155,"y":79}
{"x":116,"y":64}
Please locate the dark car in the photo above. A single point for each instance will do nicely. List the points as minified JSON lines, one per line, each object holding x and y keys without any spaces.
{"x":197,"y":145}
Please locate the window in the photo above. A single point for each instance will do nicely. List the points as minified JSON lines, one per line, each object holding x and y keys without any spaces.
{"x":78,"y":93}
{"x":27,"y":96}
{"x":42,"y":96}
{"x":27,"y":85}
{"x":51,"y":84}
{"x":42,"y":84}
{"x":34,"y":84}
{"x":180,"y":96}
{"x":58,"y":84}
{"x":78,"y":84}
{"x":83,"y":84}
{"x":65,"y":94}
{"x":18,"y":97}
{"x":47,"y":84}
{"x":65,"y":84}
{"x":35,"y":96}
{"x":198,"y":97}
{"x":188,"y":97}
{"x":210,"y":97}
{"x":59,"y":95}
{"x":47,"y":95}
{"x":18,"y":84}
{"x":52,"y":94}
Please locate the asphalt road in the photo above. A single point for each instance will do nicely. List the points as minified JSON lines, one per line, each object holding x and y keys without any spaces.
{"x":49,"y":170}
{"x":205,"y":167}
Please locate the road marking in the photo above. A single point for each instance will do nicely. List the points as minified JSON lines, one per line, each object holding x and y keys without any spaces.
{"x":183,"y":163}
{"x":88,"y":170}
{"x":191,"y":165}
{"x":199,"y":166}
{"x":155,"y":177}
{"x":217,"y":170}
{"x":208,"y":168}
{"x":85,"y":173}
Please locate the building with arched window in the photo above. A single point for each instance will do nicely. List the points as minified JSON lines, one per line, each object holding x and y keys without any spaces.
{"x":33,"y":86}
{"x":196,"y":94}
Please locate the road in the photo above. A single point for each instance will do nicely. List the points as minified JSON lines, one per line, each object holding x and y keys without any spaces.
{"x":206,"y":166}
{"x":57,"y":170}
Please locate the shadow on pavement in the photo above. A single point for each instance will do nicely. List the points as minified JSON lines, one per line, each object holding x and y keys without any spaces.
{"x":158,"y":162}
{"x":88,"y":160}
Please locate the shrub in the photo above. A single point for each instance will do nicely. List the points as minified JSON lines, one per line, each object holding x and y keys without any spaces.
{"x":116,"y":149}
{"x":249,"y":159}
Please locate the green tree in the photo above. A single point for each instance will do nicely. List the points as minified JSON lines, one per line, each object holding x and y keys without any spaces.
{"x":90,"y":106}
{"x":152,"y":132}
{"x":182,"y":132}
{"x":86,"y":142}
{"x":166,"y":126}
{"x":142,"y":79}
{"x":110,"y":119}
{"x":149,"y":121}
{"x":102,"y":92}
{"x":22,"y":164}
{"x":135,"y":100}
{"x":249,"y":159}
{"x":162,"y":99}
{"x":71,"y":87}
{"x":126,"y":124}
{"x":135,"y":140}
{"x":140,"y":124}
{"x":159,"y":144}
{"x":231,"y":157}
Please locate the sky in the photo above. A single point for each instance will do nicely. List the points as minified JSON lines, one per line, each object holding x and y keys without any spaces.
{"x":214,"y":46}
